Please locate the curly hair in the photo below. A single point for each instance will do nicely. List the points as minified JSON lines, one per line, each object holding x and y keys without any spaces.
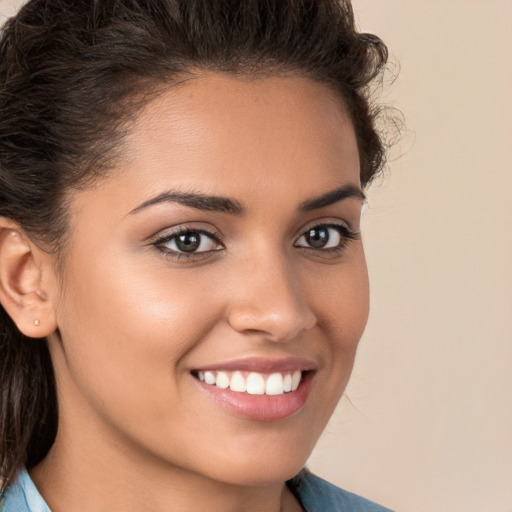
{"x":72,"y":77}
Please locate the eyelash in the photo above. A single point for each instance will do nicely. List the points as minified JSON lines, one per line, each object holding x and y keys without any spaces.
{"x":347,"y":234}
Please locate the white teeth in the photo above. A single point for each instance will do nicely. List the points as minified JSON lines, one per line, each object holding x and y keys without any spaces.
{"x":238,"y":383}
{"x":287,"y":383}
{"x":296,"y":380}
{"x":274,"y":385}
{"x":222,"y":380}
{"x":255,"y":384}
{"x":209,"y":378}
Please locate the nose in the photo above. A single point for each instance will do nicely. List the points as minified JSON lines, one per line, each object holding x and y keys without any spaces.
{"x":270,"y":301}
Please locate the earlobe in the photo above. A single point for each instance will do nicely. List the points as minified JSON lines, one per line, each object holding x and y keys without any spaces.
{"x":22,"y":293}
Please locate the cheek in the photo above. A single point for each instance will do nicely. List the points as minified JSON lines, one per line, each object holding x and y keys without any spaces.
{"x":126,"y":330}
{"x":342,"y":312}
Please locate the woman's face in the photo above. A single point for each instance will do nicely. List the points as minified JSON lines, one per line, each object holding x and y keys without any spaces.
{"x":225,"y":247}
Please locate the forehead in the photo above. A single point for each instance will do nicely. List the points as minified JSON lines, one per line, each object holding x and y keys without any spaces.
{"x":228,"y":125}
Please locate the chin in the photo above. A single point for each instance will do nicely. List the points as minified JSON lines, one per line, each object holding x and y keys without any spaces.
{"x":259,"y":466}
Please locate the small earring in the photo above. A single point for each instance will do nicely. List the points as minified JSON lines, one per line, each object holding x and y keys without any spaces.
{"x":37,"y":322}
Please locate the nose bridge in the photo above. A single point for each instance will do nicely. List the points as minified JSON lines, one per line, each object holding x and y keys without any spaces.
{"x":271,"y":299}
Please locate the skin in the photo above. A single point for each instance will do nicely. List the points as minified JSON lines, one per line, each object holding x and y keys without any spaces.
{"x":128,"y":322}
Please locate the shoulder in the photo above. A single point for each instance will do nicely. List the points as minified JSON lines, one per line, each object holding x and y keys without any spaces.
{"x":22,"y":496}
{"x":317,"y":495}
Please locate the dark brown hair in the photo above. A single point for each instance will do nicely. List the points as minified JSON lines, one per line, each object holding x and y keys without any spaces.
{"x":73,"y":73}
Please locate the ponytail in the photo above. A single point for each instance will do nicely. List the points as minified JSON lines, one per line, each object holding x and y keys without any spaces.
{"x":28,"y":402}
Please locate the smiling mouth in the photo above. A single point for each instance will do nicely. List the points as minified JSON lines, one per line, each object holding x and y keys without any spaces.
{"x":253,"y":383}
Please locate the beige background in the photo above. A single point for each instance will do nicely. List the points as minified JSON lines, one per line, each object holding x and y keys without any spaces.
{"x":429,"y":423}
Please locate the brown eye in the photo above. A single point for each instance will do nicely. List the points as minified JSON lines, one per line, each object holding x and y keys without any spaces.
{"x":317,"y":237}
{"x":189,"y":242}
{"x":323,"y":237}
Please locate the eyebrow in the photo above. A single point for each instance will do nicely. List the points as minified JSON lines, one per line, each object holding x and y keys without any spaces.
{"x":334,"y":196}
{"x":197,"y":201}
{"x":234,"y":207}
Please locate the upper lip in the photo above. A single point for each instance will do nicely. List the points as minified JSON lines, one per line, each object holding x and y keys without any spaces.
{"x":262,"y":365}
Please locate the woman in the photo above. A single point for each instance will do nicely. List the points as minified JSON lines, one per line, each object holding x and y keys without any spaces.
{"x":182,"y":278}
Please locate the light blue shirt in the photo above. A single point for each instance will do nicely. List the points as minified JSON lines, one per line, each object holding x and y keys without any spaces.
{"x":315,"y":495}
{"x":22,"y":496}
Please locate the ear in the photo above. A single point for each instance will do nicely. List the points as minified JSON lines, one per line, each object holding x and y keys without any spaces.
{"x":22,"y":289}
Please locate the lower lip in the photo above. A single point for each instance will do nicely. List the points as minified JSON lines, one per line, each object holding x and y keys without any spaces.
{"x":261,"y":407}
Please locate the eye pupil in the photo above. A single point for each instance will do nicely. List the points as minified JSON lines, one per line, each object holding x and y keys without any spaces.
{"x":317,"y":237}
{"x":188,"y":242}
